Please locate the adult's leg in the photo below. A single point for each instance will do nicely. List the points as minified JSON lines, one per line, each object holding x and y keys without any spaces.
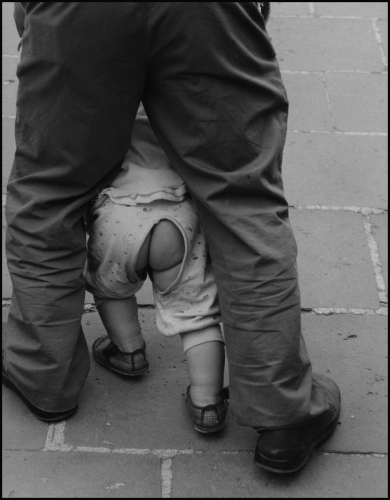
{"x":217,"y":103}
{"x":81,"y":77}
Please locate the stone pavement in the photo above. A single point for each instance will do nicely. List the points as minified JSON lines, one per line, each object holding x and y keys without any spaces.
{"x":133,"y":438}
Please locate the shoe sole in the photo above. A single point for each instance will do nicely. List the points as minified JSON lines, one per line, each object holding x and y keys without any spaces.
{"x":117,"y":370}
{"x":57,"y":419}
{"x":209,"y":431}
{"x":302,"y":458}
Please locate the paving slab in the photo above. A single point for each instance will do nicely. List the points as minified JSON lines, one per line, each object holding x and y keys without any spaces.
{"x":380,"y":230}
{"x":335,"y":170}
{"x":77,"y":475}
{"x":334,"y":262}
{"x":318,"y":44}
{"x":145,"y":412}
{"x":9,"y":97}
{"x":9,"y":65}
{"x":309,"y":108}
{"x":352,"y":350}
{"x":10,"y":35}
{"x":358,"y":101}
{"x":290,"y":9}
{"x":8,"y":142}
{"x":21,"y":430}
{"x":363,"y":9}
{"x":236,"y":476}
{"x":145,"y":295}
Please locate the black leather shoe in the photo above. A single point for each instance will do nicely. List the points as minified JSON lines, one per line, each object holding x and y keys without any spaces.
{"x":288,"y":449}
{"x":46,"y":416}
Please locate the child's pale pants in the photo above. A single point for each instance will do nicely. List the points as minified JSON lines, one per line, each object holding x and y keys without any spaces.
{"x":190,"y":303}
{"x":211,"y":86}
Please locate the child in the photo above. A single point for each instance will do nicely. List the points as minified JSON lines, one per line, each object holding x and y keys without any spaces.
{"x":145,"y":223}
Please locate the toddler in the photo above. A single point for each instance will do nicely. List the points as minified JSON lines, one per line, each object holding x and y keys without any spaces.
{"x":145,"y":223}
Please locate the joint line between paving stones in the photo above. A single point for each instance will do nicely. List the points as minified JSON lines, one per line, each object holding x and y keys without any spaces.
{"x":347,"y":17}
{"x":166,"y":477}
{"x":329,"y":311}
{"x":374,"y":22}
{"x":352,"y":453}
{"x":362,"y":210}
{"x":328,"y":101}
{"x":55,"y":438}
{"x":339,"y":132}
{"x":375,"y":259}
{"x":325,"y":71}
{"x":310,"y":16}
{"x":55,"y":442}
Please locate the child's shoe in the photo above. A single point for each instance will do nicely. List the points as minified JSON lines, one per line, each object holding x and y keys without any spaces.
{"x":210,"y":418}
{"x":130,"y":364}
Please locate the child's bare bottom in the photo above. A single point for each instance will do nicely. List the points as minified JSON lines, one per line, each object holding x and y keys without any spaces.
{"x":161,"y":255}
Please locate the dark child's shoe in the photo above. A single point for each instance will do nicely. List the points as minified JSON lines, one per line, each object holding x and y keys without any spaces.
{"x":130,"y":364}
{"x":210,"y":418}
{"x":286,"y":450}
{"x":46,"y":416}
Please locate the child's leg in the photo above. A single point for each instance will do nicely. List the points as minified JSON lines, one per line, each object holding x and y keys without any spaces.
{"x":111,"y":276}
{"x":123,"y":351}
{"x":120,"y":319}
{"x":120,"y":316}
{"x":205,"y":361}
{"x":205,"y":364}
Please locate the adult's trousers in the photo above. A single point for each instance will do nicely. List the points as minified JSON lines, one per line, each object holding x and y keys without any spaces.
{"x":211,"y":86}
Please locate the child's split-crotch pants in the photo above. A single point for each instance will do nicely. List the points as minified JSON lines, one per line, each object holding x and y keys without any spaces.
{"x":211,"y":86}
{"x":189,"y":306}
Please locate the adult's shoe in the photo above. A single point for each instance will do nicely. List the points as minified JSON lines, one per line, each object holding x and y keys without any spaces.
{"x":286,"y":450}
{"x":46,"y":416}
